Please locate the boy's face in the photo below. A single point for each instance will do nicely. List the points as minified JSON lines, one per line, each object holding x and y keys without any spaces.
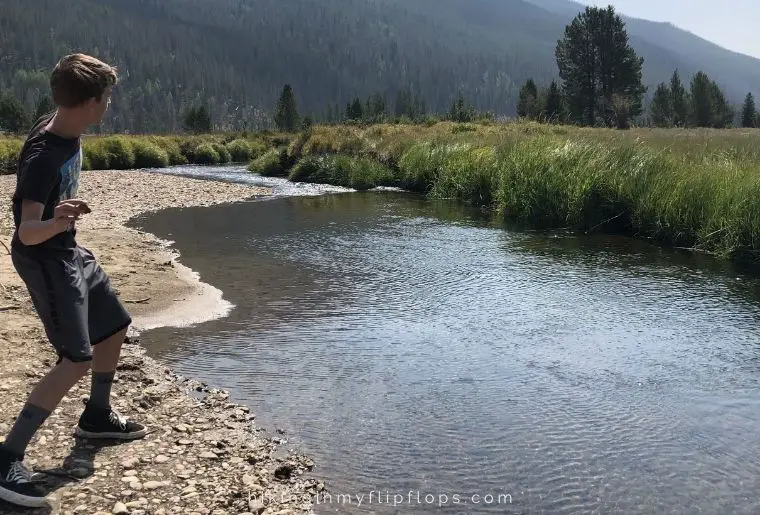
{"x":98,"y":109}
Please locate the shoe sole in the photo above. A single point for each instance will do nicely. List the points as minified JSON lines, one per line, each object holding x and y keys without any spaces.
{"x":111,"y":436}
{"x":22,"y":500}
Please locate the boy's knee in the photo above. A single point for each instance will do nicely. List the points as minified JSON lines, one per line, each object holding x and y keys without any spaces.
{"x":75,"y":368}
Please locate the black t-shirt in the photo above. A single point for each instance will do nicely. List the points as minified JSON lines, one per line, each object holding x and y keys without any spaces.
{"x":48,"y":172}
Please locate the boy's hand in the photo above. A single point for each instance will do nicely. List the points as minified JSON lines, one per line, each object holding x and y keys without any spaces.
{"x":69,"y":211}
{"x":81,"y":205}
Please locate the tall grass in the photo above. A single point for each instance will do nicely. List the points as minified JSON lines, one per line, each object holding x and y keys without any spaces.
{"x":128,"y":152}
{"x":688,"y":188}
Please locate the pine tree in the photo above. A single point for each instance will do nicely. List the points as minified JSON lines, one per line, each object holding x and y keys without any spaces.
{"x":723,"y":114}
{"x":708,"y":104}
{"x":701,"y":100}
{"x":460,"y":110}
{"x":661,"y":108}
{"x":596,"y":63}
{"x":527,"y":105}
{"x":553,"y":105}
{"x":749,"y":113}
{"x":286,"y":117}
{"x":354,"y":110}
{"x":198,"y":120}
{"x":679,"y":101}
{"x":13,"y":117}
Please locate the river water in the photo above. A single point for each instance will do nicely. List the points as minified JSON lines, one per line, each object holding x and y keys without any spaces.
{"x":416,"y":350}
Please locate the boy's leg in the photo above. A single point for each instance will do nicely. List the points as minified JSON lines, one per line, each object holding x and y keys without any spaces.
{"x":60,"y":300}
{"x":105,"y":358}
{"x":108,"y":322}
{"x":42,"y":401}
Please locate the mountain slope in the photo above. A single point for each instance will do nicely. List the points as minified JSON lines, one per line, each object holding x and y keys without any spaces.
{"x":237,"y":54}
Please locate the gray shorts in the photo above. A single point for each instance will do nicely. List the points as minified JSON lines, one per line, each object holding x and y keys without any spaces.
{"x":74,"y":300}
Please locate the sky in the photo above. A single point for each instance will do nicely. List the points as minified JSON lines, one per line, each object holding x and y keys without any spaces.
{"x":732,"y":24}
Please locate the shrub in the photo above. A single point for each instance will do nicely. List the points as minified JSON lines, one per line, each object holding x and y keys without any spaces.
{"x":205,"y":154}
{"x":242,"y":150}
{"x":224,"y":154}
{"x":9,"y":151}
{"x":348,"y":171}
{"x":172,"y":148}
{"x":121,"y":155}
{"x":268,"y":164}
{"x":150,"y":155}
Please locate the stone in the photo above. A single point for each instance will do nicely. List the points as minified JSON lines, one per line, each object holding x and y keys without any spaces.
{"x":161,"y":459}
{"x":120,"y":509}
{"x":256,"y":506}
{"x":209,"y":455}
{"x":130,"y":463}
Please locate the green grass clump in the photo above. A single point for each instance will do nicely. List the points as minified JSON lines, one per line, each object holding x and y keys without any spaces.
{"x":269,"y":164}
{"x":121,"y":154}
{"x":171,"y":146}
{"x":243,"y":150}
{"x":150,"y":155}
{"x":206,"y":154}
{"x":9,"y":151}
{"x":224,"y":154}
{"x":348,"y":171}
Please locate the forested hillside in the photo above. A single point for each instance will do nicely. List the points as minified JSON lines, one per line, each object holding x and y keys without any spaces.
{"x":235,"y":55}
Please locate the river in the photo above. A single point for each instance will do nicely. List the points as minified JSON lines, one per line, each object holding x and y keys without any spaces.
{"x":415,"y":349}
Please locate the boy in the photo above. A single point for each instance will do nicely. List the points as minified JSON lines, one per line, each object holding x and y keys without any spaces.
{"x":82,"y":316}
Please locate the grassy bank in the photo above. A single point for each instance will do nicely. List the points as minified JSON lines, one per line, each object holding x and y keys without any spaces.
{"x":689,"y":188}
{"x":127,"y":152}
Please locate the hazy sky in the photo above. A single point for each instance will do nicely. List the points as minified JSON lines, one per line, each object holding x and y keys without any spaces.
{"x":733,"y":24}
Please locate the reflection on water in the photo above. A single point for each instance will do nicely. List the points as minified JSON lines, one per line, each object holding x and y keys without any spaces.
{"x":411,"y":345}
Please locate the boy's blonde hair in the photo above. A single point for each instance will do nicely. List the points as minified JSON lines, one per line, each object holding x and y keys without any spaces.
{"x":78,"y":78}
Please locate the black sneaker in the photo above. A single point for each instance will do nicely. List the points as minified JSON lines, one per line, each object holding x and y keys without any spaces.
{"x":108,"y":424}
{"x":16,"y":485}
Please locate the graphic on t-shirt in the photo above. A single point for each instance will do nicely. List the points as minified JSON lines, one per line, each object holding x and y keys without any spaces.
{"x":70,"y":176}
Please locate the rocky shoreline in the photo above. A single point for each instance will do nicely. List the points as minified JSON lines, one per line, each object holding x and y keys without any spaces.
{"x":204,"y":455}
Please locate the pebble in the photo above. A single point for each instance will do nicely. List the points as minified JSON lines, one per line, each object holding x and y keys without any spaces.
{"x":130,"y":463}
{"x":120,"y":509}
{"x":161,"y":459}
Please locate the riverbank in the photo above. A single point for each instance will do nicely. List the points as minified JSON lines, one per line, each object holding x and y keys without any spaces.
{"x":204,"y":455}
{"x":694,"y":188}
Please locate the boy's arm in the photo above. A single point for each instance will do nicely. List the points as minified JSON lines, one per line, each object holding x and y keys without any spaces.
{"x":33,"y":231}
